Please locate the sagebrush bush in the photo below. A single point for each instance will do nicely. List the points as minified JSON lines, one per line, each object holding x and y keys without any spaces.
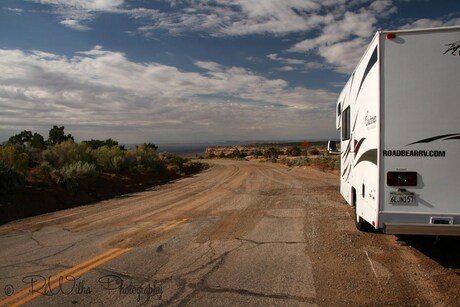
{"x":109,"y":158}
{"x":10,"y":179}
{"x":323,"y":162}
{"x":297,"y":161}
{"x":73,"y":172}
{"x":14,"y":157}
{"x":67,"y":152}
{"x":147,"y":159}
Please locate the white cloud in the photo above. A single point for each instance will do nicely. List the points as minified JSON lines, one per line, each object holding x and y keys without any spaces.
{"x":17,"y":11}
{"x":344,"y":55}
{"x":74,"y":24}
{"x":94,"y":5}
{"x":383,"y":8}
{"x":235,"y":18}
{"x":76,"y":13}
{"x":291,"y":64}
{"x":102,"y":89}
{"x":286,"y":68}
{"x":430,"y":23}
{"x":343,"y":39}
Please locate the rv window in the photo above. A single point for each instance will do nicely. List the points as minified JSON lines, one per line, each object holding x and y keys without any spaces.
{"x":346,"y":124}
{"x":339,"y":109}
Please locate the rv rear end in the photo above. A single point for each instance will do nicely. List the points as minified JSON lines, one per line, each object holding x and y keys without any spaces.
{"x":420,"y":132}
{"x":399,"y":120}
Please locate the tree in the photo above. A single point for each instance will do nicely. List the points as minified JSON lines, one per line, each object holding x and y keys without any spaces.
{"x":150,"y":146}
{"x":57,"y":136}
{"x":94,"y":144}
{"x":294,"y":151}
{"x":23,"y":138}
{"x":271,"y":153}
{"x":38,"y":141}
{"x":110,"y":143}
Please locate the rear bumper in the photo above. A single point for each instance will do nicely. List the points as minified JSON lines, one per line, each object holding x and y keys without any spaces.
{"x":422,"y":229}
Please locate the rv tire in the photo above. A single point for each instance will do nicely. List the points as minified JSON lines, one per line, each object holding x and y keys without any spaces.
{"x":360,"y":224}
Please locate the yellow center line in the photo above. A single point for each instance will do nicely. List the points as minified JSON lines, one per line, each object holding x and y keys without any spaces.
{"x":75,"y":274}
{"x":57,"y":276}
{"x":173,"y":224}
{"x":76,"y":271}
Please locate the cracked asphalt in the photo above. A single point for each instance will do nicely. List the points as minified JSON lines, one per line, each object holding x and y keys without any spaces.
{"x":239,"y":234}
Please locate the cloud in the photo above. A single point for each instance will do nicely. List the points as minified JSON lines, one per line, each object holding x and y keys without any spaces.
{"x":93,"y":5}
{"x":234,"y":18}
{"x":342,"y":40}
{"x":291,"y":64}
{"x":74,"y":24}
{"x":75,"y":14}
{"x":16,"y":11}
{"x":100,"y":93}
{"x":430,"y":23}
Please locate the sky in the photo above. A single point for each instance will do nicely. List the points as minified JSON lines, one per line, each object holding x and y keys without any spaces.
{"x":189,"y":71}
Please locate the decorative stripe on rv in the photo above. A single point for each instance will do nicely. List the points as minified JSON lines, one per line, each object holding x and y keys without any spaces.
{"x":369,"y":156}
{"x":358,"y":145}
{"x":371,"y":63}
{"x":452,"y":136}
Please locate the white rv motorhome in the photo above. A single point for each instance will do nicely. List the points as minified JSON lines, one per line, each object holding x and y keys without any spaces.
{"x":399,"y":116}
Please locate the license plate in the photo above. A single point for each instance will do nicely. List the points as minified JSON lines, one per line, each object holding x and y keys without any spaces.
{"x":402,"y":198}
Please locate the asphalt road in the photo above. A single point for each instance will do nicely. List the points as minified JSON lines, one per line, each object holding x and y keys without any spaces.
{"x":238,"y":234}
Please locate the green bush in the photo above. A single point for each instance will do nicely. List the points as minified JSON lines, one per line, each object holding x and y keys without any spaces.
{"x":298,"y":162}
{"x":110,"y":158}
{"x":10,"y":179}
{"x":14,"y":157}
{"x":73,"y":172}
{"x":67,"y":152}
{"x":147,"y":159}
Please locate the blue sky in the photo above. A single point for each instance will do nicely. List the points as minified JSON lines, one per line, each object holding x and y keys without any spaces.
{"x":189,"y":71}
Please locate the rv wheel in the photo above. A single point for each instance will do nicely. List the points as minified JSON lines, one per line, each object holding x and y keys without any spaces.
{"x":360,"y":224}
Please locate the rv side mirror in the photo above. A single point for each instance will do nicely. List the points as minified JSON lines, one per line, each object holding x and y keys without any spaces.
{"x":332,"y":146}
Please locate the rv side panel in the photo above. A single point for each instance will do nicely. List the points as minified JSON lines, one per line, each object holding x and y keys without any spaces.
{"x":359,"y":123}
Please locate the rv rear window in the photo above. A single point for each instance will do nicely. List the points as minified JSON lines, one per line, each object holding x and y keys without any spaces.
{"x":346,"y":124}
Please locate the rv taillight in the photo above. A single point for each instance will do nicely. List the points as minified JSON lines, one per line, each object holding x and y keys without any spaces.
{"x":391,"y":36}
{"x":402,"y":179}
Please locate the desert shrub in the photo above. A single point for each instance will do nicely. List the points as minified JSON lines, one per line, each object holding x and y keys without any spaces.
{"x":109,"y":158}
{"x":257,"y":153}
{"x":175,"y":169}
{"x":299,"y":162}
{"x":328,"y":162}
{"x":314,"y":151}
{"x":272,"y":153}
{"x":294,"y":151}
{"x":14,"y":157}
{"x":173,"y":159}
{"x":67,"y":152}
{"x":180,"y":166}
{"x":73,"y":172}
{"x":10,"y":178}
{"x":119,"y":163}
{"x":191,"y":167}
{"x":145,"y":158}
